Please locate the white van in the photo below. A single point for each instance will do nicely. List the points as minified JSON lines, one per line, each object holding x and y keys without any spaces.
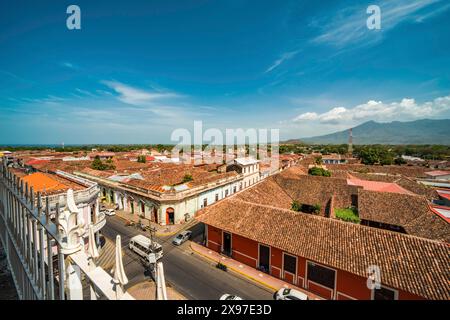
{"x":143,"y":246}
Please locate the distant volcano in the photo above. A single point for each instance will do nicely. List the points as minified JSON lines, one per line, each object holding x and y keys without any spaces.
{"x":424,"y":131}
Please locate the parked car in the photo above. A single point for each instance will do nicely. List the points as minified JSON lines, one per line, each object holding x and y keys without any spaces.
{"x":182,"y":237}
{"x":230,"y":297}
{"x":109,"y":212}
{"x":289,"y":294}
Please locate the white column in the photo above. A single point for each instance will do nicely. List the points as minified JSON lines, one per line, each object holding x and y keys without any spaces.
{"x":74,"y":287}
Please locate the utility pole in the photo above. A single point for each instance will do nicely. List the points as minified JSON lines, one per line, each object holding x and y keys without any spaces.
{"x":152,"y":231}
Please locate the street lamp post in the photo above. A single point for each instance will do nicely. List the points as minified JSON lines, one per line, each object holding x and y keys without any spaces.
{"x":152,"y":231}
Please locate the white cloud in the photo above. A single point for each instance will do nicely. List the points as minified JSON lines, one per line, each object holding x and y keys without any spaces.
{"x":84,"y":92}
{"x":432,"y":13}
{"x":349,"y":25}
{"x":285,"y":56}
{"x":135,"y":96}
{"x":69,"y":65}
{"x":307,"y":116}
{"x":49,"y":100}
{"x":406,"y":109}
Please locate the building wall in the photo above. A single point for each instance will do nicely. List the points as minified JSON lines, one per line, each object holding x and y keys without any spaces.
{"x":186,"y":206}
{"x":443,"y":177}
{"x":251,"y":179}
{"x":347,"y":285}
{"x":244,"y":250}
{"x":214,"y":238}
{"x":195,"y":203}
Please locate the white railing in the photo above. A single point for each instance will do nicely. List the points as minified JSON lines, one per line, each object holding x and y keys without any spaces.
{"x":24,"y":229}
{"x":49,"y":260}
{"x":100,"y":223}
{"x":80,"y":196}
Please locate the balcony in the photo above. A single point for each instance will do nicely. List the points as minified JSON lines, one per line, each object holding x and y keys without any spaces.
{"x":101,"y":221}
{"x":80,"y":196}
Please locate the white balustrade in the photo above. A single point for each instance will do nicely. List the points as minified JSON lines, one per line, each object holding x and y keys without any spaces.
{"x":48,"y":260}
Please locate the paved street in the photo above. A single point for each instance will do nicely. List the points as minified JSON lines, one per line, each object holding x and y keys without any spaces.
{"x":189,"y":274}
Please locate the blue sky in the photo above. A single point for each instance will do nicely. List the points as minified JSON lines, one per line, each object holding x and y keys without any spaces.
{"x":137,"y":70}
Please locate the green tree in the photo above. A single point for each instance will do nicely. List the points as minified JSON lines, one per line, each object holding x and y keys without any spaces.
{"x":187,"y":177}
{"x":97,"y":164}
{"x":160,"y":147}
{"x":399,"y":161}
{"x":316,"y":171}
{"x":347,"y":214}
{"x":142,"y":159}
{"x":369,"y":156}
{"x":296,"y":206}
{"x":109,"y":165}
{"x":386,"y":158}
{"x":318,"y":160}
{"x":317,"y":208}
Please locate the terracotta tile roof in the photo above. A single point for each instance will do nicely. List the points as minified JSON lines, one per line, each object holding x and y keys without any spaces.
{"x":157,"y":175}
{"x":377,"y":186}
{"x":209,"y":167}
{"x":18,"y":172}
{"x":374,"y":176}
{"x":408,"y":171}
{"x":341,"y":174}
{"x":313,"y":190}
{"x":412,"y":212}
{"x":416,"y":265}
{"x":50,"y":184}
{"x":290,"y":157}
{"x":32,"y":162}
{"x":174,"y":176}
{"x":98,"y":173}
{"x":67,"y":166}
{"x":145,"y":185}
{"x":294,"y":172}
{"x":268,"y":192}
{"x":417,"y":188}
{"x":127,"y":165}
{"x":405,"y":182}
{"x":101,"y":154}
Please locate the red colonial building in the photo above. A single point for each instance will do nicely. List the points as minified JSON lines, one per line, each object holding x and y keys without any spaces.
{"x":326,"y":256}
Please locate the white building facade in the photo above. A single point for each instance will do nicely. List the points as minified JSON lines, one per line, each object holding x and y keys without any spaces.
{"x":180,"y":203}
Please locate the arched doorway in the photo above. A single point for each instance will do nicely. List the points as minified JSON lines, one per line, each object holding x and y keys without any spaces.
{"x":170,"y":216}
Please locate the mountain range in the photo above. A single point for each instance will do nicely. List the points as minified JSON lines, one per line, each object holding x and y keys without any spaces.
{"x":423,"y":131}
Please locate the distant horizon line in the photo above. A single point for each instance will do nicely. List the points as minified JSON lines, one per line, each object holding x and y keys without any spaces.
{"x":173,"y":144}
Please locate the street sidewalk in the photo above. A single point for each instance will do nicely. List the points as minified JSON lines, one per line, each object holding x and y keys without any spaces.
{"x":161,"y":231}
{"x":253,"y":274}
{"x":146,"y":290}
